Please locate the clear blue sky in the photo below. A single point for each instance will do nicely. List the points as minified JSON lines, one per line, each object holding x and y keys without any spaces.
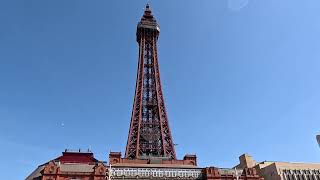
{"x":238,"y":76}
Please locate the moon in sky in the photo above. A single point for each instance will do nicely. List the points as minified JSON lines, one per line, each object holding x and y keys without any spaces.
{"x":237,"y":4}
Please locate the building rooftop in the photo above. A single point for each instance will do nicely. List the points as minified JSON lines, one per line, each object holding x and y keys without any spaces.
{"x":76,"y":157}
{"x":247,"y":161}
{"x":36,"y":173}
{"x":291,"y":165}
{"x":86,"y":168}
{"x":70,"y":161}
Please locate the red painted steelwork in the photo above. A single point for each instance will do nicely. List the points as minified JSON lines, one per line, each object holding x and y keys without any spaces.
{"x":149,"y":134}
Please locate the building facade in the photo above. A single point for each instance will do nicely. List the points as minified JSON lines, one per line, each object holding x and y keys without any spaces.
{"x":273,"y":170}
{"x":83,"y":166}
{"x":71,"y":166}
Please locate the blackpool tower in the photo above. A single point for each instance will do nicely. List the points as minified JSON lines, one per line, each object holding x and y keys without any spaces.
{"x":149,"y":133}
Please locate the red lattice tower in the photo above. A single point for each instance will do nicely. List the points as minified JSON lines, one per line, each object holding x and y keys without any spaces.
{"x":149,"y":134}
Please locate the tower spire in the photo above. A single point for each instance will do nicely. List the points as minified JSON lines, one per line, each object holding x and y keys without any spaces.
{"x":149,"y":133}
{"x":147,"y":15}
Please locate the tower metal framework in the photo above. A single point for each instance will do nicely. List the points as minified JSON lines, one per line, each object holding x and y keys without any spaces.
{"x":149,"y":133}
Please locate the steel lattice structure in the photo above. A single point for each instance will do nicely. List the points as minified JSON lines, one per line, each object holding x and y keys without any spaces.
{"x":149,"y":133}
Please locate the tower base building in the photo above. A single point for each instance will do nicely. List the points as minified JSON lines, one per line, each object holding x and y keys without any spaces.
{"x":83,"y":166}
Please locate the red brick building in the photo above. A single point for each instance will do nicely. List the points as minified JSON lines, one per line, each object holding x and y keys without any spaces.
{"x":71,"y":166}
{"x":83,"y":166}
